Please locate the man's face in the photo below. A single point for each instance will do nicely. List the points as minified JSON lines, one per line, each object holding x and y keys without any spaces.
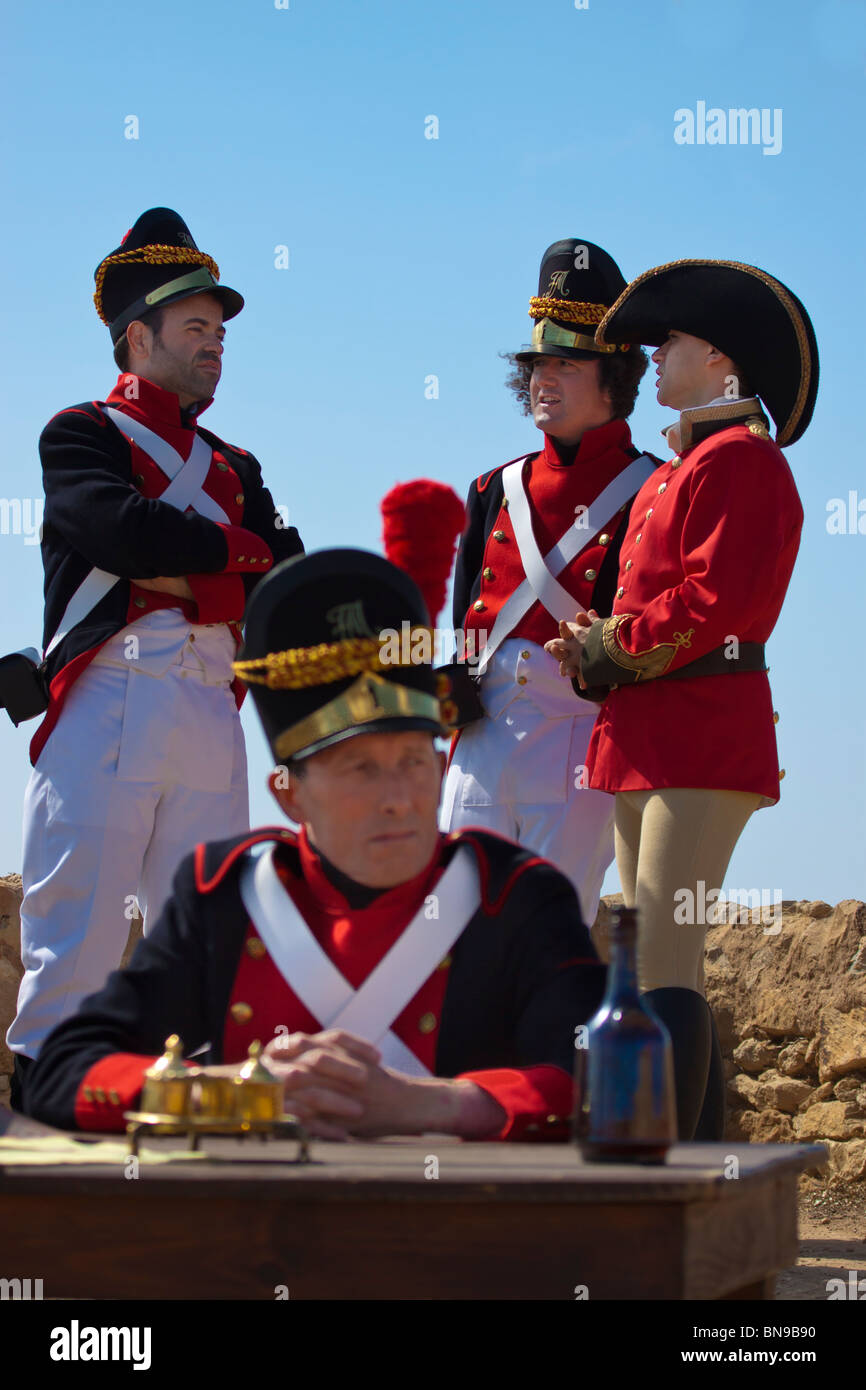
{"x":185,"y":355}
{"x":369,"y":804}
{"x":566,"y":397}
{"x":682,"y":364}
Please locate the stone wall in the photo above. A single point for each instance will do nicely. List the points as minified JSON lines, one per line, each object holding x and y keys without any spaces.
{"x":790,"y":1003}
{"x":11,"y":968}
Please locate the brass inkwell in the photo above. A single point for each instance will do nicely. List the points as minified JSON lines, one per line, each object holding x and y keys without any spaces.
{"x":177,"y":1099}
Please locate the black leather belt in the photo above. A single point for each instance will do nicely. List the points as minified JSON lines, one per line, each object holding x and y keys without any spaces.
{"x":715,"y":663}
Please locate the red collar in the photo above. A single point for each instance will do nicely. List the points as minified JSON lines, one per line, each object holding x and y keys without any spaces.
{"x":593,"y":443}
{"x":403,"y":896}
{"x":148,"y":402}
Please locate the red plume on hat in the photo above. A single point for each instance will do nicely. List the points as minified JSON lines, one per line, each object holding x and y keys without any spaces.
{"x":423,"y":521}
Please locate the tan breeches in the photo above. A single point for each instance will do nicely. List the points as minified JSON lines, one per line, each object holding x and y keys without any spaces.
{"x":669,"y":842}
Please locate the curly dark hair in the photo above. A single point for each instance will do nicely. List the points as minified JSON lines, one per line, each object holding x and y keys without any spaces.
{"x":619,"y":374}
{"x":153,"y":318}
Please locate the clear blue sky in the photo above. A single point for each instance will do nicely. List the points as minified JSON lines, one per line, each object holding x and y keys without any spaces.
{"x":305,"y":127}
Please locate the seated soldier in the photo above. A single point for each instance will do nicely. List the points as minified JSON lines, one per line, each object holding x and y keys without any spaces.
{"x":403,"y":980}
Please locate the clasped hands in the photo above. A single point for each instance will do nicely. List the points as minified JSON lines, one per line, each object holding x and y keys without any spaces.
{"x":334,"y":1083}
{"x":567,"y":648}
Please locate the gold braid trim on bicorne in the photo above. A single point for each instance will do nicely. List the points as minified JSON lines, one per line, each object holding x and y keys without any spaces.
{"x":649,"y":664}
{"x":783,"y":431}
{"x":302,"y":667}
{"x":573,"y":311}
{"x":156,"y":254}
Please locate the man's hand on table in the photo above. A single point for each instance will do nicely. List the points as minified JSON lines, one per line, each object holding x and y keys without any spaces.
{"x":334,"y":1084}
{"x":168,"y":584}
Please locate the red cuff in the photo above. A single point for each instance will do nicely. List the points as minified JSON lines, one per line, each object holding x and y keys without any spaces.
{"x":112,"y":1085}
{"x":248,"y":553}
{"x":537,"y":1101}
{"x":220,"y":598}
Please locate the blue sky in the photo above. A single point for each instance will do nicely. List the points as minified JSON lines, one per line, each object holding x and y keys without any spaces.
{"x":305,"y":127}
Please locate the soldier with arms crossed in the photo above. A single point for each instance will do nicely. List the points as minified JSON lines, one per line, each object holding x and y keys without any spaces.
{"x":155,"y":533}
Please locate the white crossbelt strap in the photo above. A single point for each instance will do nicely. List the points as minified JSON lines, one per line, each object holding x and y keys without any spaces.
{"x":369,"y":1011}
{"x":184,"y":490}
{"x":540,"y":584}
{"x":187,"y":475}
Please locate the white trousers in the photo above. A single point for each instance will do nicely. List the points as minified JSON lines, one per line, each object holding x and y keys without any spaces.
{"x":521,"y":770}
{"x":146,"y":759}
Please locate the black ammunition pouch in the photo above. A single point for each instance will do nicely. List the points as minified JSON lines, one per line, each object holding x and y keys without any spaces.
{"x":23,"y":685}
{"x":459,"y":698}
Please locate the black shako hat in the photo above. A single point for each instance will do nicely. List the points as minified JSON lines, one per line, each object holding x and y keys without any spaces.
{"x":338,"y":643}
{"x":577,"y":283}
{"x":156,"y":263}
{"x":747,"y":314}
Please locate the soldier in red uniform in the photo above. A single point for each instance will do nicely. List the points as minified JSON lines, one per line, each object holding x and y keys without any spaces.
{"x":155,"y":533}
{"x":685,"y":738}
{"x":542,"y":537}
{"x":403,"y":980}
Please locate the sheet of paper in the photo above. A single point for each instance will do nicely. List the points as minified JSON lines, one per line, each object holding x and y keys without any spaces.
{"x":55,"y":1149}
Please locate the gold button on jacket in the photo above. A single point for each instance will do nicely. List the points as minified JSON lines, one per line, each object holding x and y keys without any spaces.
{"x":241,"y":1013}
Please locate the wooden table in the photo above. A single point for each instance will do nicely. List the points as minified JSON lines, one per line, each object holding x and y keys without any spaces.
{"x":365,"y":1221}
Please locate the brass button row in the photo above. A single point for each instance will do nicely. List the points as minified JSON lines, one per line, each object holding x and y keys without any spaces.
{"x":96,"y":1093}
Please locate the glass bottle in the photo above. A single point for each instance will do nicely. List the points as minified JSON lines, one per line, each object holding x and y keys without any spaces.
{"x":625,"y":1105}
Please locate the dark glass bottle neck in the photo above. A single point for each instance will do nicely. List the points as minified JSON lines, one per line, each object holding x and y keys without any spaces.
{"x":622,"y":970}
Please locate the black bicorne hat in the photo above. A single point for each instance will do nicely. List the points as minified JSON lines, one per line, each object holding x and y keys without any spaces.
{"x":338,"y":643}
{"x":747,"y":314}
{"x":156,"y":263}
{"x":577,"y":284}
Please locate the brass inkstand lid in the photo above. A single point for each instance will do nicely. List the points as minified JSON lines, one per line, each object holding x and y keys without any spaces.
{"x":168,"y":1083}
{"x":254,"y":1069}
{"x":170,"y":1066}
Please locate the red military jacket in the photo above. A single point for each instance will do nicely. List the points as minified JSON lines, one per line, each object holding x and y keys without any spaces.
{"x":102,"y":510}
{"x":707,"y":557}
{"x":489,"y":567}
